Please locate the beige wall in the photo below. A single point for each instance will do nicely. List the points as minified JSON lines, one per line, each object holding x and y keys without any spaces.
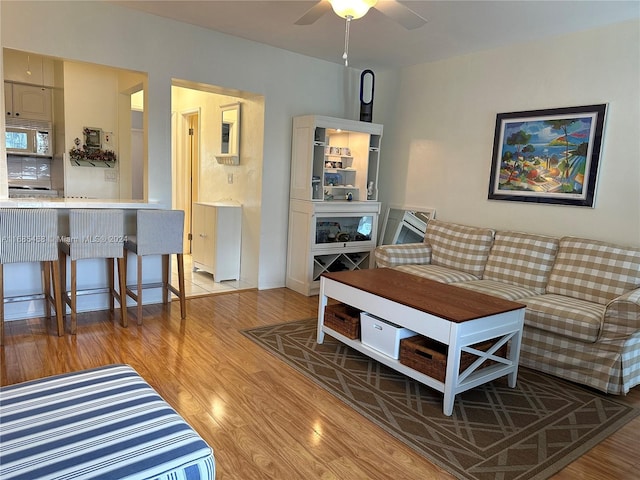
{"x":439,"y":130}
{"x":91,"y":100}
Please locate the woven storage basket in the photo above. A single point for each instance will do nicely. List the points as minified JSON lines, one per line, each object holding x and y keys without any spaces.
{"x":429,"y":356}
{"x":343,"y":319}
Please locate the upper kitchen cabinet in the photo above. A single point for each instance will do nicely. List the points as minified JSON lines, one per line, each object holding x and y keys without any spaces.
{"x":24,"y":67}
{"x":334,"y":159}
{"x":27,"y":102}
{"x":29,"y":79}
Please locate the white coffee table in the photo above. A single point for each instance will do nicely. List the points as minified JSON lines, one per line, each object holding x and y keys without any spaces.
{"x":451,"y":315}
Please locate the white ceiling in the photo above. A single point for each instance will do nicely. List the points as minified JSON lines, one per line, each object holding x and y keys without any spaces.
{"x":453,"y":27}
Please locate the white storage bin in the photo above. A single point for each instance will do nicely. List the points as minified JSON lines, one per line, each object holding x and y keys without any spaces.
{"x":382,"y":335}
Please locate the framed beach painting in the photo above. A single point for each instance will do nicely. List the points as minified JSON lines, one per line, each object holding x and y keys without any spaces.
{"x":547,"y":156}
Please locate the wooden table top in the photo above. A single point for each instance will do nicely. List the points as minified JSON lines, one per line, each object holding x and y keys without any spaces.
{"x":455,"y":304}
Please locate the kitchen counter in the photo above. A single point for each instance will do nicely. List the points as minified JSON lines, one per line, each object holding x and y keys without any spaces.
{"x":66,"y":203}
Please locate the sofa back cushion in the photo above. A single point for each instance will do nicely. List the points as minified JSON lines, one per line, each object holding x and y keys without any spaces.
{"x":594,"y":271}
{"x":458,"y":246}
{"x":521,"y":259}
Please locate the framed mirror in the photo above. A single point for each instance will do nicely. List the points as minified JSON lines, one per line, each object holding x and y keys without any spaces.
{"x":405,"y":224}
{"x":230,"y":135}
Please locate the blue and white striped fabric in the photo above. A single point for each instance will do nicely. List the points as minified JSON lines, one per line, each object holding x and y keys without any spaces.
{"x":104,"y":423}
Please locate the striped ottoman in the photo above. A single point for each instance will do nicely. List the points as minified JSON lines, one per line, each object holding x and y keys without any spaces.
{"x":96,"y":424}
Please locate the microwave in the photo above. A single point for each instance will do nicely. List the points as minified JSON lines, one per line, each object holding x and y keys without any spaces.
{"x":29,"y":137}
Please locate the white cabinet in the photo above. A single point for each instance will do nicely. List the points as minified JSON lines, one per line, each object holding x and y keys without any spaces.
{"x":333,"y":212}
{"x":333,"y":209}
{"x":30,"y":68}
{"x":27,"y":101}
{"x":334,"y":157}
{"x":216,"y":239}
{"x":328,"y":237}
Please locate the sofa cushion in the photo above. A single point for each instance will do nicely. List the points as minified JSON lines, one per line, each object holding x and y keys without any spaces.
{"x":437,"y":273}
{"x":566,"y":316}
{"x":498,"y":289}
{"x":459,"y":247}
{"x":594,"y":271}
{"x":521,"y":259}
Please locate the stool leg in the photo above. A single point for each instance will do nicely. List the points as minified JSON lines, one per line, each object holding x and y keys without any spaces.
{"x":63,"y":282}
{"x":1,"y":304}
{"x":74,"y":315}
{"x":139,"y":289}
{"x":57,"y":296}
{"x":122,"y":294}
{"x":110,"y":282}
{"x":165,"y":278}
{"x":183,"y":303}
{"x":46,"y":280}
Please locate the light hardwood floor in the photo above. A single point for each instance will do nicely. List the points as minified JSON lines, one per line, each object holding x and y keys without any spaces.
{"x":263,"y":419}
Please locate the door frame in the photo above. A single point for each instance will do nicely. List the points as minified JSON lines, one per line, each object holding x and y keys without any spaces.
{"x":186,"y":166}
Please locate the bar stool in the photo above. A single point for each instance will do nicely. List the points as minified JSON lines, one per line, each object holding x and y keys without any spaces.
{"x":95,"y":233}
{"x":29,"y":235}
{"x":158,"y":232}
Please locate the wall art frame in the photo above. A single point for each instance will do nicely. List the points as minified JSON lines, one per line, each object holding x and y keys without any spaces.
{"x":548,"y":156}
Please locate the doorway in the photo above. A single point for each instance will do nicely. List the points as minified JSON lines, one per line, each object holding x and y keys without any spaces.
{"x":199,"y":175}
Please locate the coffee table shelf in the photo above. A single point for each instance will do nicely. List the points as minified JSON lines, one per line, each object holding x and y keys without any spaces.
{"x":471,"y":381}
{"x":405,"y":300}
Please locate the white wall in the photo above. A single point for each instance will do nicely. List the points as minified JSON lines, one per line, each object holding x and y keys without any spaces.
{"x":438,"y":142}
{"x":106,"y":34}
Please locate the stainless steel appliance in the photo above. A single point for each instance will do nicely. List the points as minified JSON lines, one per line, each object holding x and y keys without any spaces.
{"x":29,"y":137}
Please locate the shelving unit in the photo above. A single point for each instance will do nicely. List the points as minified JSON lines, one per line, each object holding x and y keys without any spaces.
{"x":343,"y":154}
{"x":333,"y":213}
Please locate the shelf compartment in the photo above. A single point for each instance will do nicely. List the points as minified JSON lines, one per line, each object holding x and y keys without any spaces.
{"x":337,"y":262}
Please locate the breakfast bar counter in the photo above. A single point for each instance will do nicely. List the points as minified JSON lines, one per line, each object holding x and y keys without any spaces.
{"x":22,"y":281}
{"x":66,"y":203}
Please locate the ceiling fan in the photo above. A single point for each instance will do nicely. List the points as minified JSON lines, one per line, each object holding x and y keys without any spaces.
{"x":358,"y":8}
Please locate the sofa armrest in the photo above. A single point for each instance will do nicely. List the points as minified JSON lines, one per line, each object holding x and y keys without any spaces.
{"x":621,"y":317}
{"x":403,"y":254}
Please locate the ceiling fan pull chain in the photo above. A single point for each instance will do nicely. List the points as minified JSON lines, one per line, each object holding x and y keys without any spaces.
{"x":345,"y":55}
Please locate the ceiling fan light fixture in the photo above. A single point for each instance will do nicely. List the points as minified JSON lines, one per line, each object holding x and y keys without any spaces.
{"x":352,"y":8}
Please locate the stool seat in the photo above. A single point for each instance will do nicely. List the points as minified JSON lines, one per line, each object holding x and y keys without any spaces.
{"x":29,"y":235}
{"x":158,"y":232}
{"x":95,"y":233}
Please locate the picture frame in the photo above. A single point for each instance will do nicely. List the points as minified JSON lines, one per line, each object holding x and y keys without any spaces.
{"x":548,"y":156}
{"x":92,"y":138}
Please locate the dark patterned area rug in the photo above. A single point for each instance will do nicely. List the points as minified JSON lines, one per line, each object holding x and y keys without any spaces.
{"x":495,"y":432}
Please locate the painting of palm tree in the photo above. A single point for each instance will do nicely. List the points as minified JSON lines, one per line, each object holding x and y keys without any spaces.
{"x":547,"y":156}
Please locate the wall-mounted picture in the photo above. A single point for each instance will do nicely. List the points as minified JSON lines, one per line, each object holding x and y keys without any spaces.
{"x":547,"y":156}
{"x":92,"y":138}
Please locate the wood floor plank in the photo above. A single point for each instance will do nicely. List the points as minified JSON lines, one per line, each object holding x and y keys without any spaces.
{"x":263,"y":419}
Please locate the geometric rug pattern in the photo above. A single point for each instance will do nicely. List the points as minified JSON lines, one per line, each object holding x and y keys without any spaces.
{"x":495,"y":432}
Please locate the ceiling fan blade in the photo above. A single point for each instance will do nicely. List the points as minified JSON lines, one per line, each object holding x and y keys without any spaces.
{"x":401,"y":14}
{"x":314,"y":13}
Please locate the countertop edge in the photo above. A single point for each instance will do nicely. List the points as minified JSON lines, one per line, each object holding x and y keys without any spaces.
{"x":63,"y":203}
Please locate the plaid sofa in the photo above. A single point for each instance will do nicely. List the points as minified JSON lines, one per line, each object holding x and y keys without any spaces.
{"x":582,"y":320}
